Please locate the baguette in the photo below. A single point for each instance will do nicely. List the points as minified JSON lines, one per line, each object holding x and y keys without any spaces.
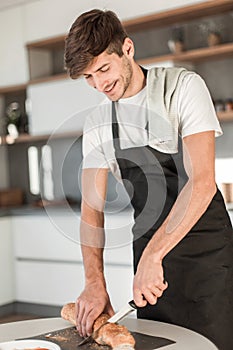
{"x":68,"y":313}
{"x":116,"y":336}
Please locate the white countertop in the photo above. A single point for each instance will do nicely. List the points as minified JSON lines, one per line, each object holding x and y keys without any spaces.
{"x":184,"y":338}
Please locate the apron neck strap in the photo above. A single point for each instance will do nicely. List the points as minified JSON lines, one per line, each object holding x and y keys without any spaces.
{"x":115,"y":126}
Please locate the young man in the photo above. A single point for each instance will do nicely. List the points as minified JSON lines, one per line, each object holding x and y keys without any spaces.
{"x":156,"y":134}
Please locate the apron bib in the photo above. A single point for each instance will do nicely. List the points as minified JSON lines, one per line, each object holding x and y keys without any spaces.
{"x":199,"y":270}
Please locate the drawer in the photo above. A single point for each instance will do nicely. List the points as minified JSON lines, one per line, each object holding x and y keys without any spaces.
{"x":47,"y":282}
{"x":59,"y":283}
{"x":39,"y":237}
{"x":57,"y":238}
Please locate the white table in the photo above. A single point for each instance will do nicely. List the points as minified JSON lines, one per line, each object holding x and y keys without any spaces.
{"x":184,"y":338}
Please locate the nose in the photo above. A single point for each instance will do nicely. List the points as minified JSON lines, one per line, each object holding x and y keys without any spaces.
{"x":100,"y":84}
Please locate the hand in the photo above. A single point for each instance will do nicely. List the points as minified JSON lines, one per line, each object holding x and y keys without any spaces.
{"x":149,"y":280}
{"x":93,"y":301}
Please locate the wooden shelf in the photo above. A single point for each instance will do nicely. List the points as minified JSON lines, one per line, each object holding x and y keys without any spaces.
{"x":55,"y":77}
{"x":179,"y":15}
{"x":195,"y":56}
{"x":13,"y":89}
{"x":225,"y":116}
{"x":49,"y":43}
{"x":26,"y":138}
{"x":206,"y":53}
{"x":22,"y":87}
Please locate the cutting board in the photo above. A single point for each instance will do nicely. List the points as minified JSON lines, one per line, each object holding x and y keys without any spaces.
{"x":68,"y":339}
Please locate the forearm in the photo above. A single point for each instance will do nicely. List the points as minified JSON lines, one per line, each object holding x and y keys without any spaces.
{"x":92,"y":244}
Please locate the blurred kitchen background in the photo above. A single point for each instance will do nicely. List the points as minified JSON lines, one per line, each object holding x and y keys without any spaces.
{"x":42,"y":113}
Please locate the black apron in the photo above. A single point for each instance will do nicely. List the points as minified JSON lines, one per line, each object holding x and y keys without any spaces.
{"x":199,"y":270}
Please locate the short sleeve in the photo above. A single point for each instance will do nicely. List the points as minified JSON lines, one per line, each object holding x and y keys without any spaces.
{"x":93,"y":155}
{"x":195,"y":108}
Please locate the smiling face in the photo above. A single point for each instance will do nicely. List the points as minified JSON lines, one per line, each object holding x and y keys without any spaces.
{"x":113,"y":75}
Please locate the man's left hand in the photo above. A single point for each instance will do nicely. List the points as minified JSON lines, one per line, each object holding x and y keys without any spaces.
{"x":149,"y":282}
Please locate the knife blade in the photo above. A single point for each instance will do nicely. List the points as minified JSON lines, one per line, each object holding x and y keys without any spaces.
{"x":123,"y":312}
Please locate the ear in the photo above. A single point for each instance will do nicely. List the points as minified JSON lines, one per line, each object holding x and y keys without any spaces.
{"x":128,"y":48}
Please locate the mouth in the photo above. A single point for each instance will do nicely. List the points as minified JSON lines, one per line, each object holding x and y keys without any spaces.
{"x":110,"y":88}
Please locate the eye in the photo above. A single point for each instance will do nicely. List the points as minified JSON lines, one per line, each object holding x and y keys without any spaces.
{"x":87,"y":76}
{"x":105,"y":69}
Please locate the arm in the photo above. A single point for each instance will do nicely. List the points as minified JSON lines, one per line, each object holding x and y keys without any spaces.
{"x":94,"y":299}
{"x":192,"y":202}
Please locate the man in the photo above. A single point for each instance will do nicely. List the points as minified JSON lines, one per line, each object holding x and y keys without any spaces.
{"x":182,"y":232}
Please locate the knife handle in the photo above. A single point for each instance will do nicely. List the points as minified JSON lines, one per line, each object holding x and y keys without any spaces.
{"x":132,"y":304}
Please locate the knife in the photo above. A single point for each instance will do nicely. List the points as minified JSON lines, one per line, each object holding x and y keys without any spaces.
{"x":123,"y":312}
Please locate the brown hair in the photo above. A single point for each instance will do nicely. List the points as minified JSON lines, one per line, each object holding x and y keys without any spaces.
{"x":92,"y":33}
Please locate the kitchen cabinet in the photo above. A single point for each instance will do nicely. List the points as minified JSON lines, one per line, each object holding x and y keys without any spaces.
{"x":48,"y":261}
{"x":60,"y":106}
{"x":7,"y":294}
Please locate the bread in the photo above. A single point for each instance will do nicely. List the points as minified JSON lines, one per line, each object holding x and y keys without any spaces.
{"x":102,"y":319}
{"x":116,"y":336}
{"x":68,"y":313}
{"x":112,"y":334}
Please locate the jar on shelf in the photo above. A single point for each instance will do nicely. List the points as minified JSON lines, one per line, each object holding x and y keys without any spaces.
{"x":176,"y":43}
{"x":229,"y":104}
{"x":16,"y":122}
{"x":214,"y":38}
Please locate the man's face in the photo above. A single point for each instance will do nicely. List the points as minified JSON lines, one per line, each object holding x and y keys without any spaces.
{"x":110,"y":74}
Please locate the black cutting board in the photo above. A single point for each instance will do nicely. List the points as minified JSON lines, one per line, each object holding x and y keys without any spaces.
{"x":68,"y":339}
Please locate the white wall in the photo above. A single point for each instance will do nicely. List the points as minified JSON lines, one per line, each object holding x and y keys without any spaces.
{"x":13,"y":56}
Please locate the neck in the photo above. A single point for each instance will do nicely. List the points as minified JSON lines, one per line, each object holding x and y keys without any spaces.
{"x":138,"y":81}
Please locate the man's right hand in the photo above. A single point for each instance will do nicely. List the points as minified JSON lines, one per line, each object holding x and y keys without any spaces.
{"x":93,"y":301}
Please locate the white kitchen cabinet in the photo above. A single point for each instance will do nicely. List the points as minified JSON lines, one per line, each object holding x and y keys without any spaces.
{"x":57,"y":283}
{"x":48,"y":282}
{"x":120,"y":284}
{"x":13,"y":54}
{"x":48,"y":259}
{"x":47,"y":238}
{"x":60,"y":106}
{"x":6,"y":262}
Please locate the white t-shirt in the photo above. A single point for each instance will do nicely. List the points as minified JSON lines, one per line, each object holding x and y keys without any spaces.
{"x":196,"y":114}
